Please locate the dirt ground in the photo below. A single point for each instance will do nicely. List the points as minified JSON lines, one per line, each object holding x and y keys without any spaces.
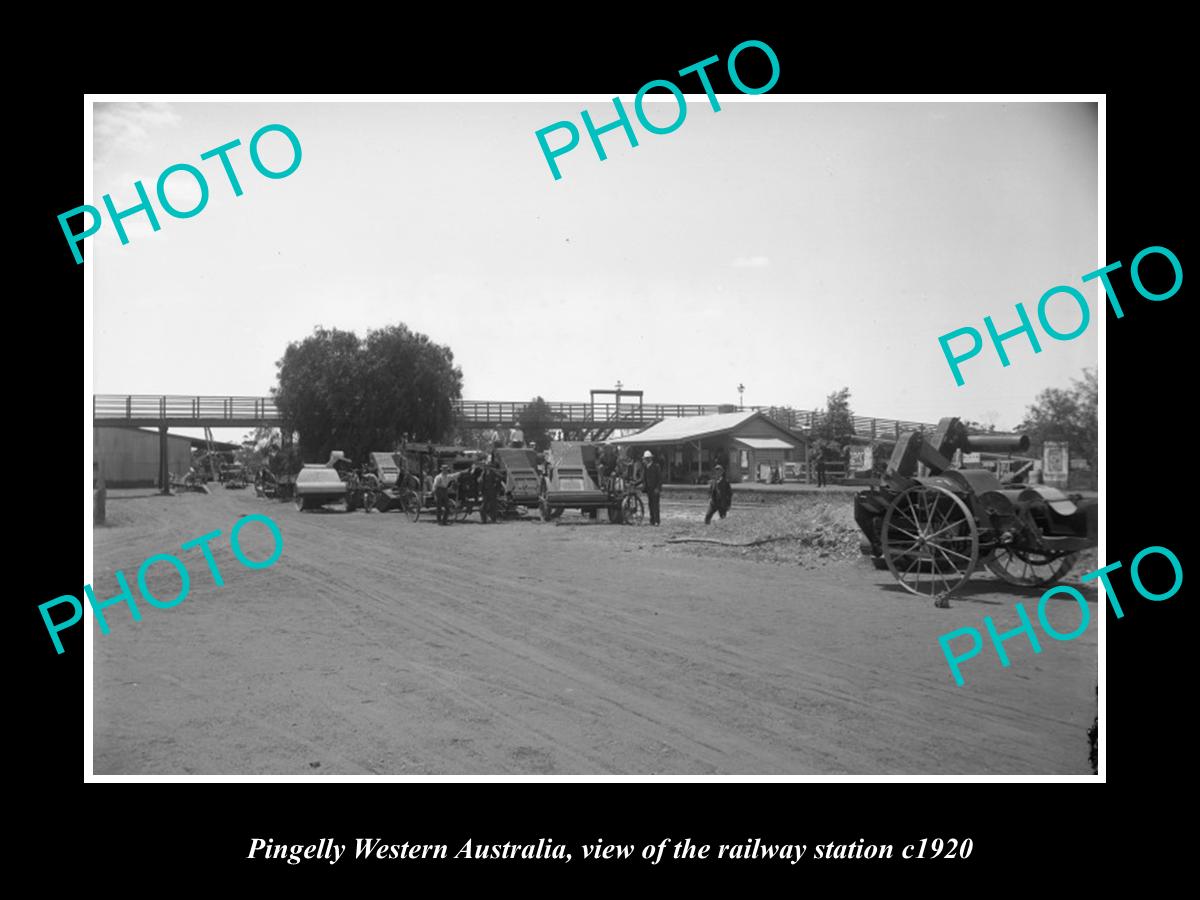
{"x":380,"y":646}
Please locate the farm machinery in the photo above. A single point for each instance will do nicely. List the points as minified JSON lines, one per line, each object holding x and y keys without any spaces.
{"x":933,"y":529}
{"x":578,"y":479}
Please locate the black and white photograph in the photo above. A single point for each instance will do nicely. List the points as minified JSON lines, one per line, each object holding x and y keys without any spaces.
{"x":531,"y":436}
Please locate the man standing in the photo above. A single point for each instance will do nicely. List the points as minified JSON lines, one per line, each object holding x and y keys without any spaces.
{"x":651,"y":482}
{"x":821,"y":470}
{"x":441,"y":495}
{"x":720,"y":495}
{"x":491,"y":493}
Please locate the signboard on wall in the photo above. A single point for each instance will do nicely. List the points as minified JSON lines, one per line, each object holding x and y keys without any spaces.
{"x":1056,"y":460}
{"x":862,"y":458}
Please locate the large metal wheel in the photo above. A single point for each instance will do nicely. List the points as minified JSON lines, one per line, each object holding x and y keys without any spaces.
{"x":411,"y":501}
{"x":632,"y":510}
{"x":930,"y":541}
{"x":1029,"y":568}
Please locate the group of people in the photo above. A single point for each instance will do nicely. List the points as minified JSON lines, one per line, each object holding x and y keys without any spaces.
{"x":650,"y":480}
{"x":485,"y":482}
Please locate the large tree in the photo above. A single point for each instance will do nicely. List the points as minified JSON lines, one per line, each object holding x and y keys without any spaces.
{"x":536,"y":420}
{"x":1067,"y":415}
{"x":341,"y":392}
{"x":835,"y":427}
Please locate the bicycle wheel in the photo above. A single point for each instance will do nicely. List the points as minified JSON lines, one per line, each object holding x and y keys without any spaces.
{"x":632,"y":510}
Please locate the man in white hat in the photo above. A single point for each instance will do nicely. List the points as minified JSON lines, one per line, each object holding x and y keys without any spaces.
{"x":650,"y":480}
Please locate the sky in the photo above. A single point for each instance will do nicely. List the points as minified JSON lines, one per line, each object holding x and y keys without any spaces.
{"x":792,"y":247}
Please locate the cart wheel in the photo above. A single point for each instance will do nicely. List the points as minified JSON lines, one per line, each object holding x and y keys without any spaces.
{"x":411,"y":502}
{"x":632,"y":510}
{"x":1029,"y":568}
{"x":930,"y":541}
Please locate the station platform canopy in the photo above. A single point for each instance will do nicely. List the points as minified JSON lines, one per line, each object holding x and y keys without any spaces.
{"x":750,"y":427}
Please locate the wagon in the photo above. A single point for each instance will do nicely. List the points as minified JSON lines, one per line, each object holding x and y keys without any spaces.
{"x":575,"y":481}
{"x":317,"y":485}
{"x":422,"y":499}
{"x":933,"y":531}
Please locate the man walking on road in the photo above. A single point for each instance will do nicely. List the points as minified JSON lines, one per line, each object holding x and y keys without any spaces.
{"x":441,"y":495}
{"x":720,"y":495}
{"x":651,"y":482}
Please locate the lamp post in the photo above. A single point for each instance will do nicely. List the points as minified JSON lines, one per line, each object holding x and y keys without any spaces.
{"x":741,"y":388}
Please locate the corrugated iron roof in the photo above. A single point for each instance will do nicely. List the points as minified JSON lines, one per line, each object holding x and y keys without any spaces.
{"x":757,"y":443}
{"x":688,"y":428}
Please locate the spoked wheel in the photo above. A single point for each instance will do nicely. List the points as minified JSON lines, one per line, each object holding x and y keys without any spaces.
{"x":1029,"y":568}
{"x":930,"y":542}
{"x":411,"y":503}
{"x":632,"y":510}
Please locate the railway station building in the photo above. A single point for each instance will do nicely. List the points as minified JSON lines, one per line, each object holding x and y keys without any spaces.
{"x":746,"y":443}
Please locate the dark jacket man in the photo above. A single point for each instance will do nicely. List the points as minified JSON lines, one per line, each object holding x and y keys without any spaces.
{"x":651,"y":481}
{"x":720,"y":495}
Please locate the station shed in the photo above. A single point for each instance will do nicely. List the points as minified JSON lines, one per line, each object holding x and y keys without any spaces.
{"x":745,"y":443}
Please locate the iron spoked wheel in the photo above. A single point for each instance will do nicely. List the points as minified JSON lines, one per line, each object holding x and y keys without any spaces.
{"x":1029,"y":568}
{"x":632,"y":510}
{"x":411,"y":502}
{"x":930,"y":542}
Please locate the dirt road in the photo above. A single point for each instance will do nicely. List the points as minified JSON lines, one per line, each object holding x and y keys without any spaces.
{"x":376,"y":645}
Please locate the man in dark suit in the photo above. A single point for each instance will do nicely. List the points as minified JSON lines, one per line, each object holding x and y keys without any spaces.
{"x":651,"y":481}
{"x":492,"y":482}
{"x":720,"y":495}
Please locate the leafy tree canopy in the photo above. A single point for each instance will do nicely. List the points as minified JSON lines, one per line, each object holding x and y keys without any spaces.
{"x":835,"y":427}
{"x":536,"y":420}
{"x":1067,"y":415}
{"x":359,"y":395}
